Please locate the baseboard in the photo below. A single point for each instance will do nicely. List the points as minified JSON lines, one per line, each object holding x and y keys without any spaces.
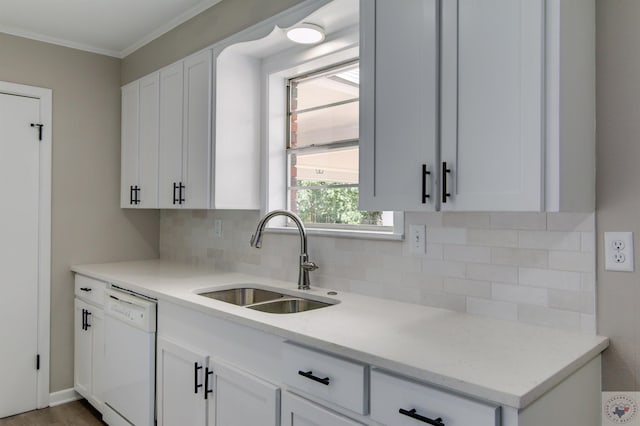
{"x":63,"y":396}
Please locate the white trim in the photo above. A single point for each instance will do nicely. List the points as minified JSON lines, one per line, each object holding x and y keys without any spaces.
{"x":63,"y":396}
{"x":44,"y":232}
{"x":163,"y":29}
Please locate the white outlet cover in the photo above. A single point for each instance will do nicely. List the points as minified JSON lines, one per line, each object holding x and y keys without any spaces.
{"x":612,"y":254}
{"x":417,"y":239}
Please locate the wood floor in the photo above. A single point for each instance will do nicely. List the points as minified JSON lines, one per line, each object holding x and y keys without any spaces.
{"x":76,"y":413}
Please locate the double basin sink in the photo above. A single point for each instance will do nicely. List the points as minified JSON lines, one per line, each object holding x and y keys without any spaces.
{"x":270,"y":301}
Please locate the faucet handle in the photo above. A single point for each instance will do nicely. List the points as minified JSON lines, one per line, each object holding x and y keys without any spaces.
{"x":309,"y":266}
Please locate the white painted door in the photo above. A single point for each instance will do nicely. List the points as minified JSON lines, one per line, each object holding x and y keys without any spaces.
{"x":148,"y":141}
{"x":82,"y":360}
{"x":129,"y":144}
{"x":398,"y":104}
{"x":19,"y":173}
{"x":196,"y":156}
{"x":492,"y":104}
{"x":180,"y":385}
{"x":297,"y":411}
{"x":242,"y":399}
{"x":170,"y":149}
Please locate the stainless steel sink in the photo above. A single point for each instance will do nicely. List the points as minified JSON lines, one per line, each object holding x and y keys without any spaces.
{"x":243,"y":296}
{"x":289,"y":306}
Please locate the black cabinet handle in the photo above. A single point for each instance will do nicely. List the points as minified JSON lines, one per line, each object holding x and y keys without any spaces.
{"x":84,"y":318}
{"x":181,"y":193}
{"x":309,"y":375}
{"x":445,"y":194}
{"x":131,"y":194}
{"x":425,"y":172}
{"x":412,"y":413}
{"x":207,"y":391}
{"x":87,"y":325}
{"x":85,"y":288}
{"x":196,"y":368}
{"x":175,"y":187}
{"x":136,"y":195}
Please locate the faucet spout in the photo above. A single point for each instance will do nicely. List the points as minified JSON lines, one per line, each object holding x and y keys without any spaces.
{"x":305,"y":265}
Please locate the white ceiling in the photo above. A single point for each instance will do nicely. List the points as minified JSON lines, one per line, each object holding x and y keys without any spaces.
{"x":109,"y":27}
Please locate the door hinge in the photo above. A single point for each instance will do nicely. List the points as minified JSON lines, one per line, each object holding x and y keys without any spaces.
{"x":37,"y":361}
{"x":39,"y":126}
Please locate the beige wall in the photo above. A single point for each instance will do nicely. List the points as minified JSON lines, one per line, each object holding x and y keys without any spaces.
{"x":87,"y":223}
{"x":618,"y":184}
{"x":212,"y":25}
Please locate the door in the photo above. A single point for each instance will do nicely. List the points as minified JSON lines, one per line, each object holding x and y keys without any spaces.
{"x":492,"y":104}
{"x":297,"y":411}
{"x":19,"y":172}
{"x":148,"y":142}
{"x":129,"y":144}
{"x":398,"y":104}
{"x":82,"y":360}
{"x":180,"y":385}
{"x":170,"y":149}
{"x":242,"y":399}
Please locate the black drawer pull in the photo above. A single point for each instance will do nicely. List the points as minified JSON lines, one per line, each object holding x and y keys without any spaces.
{"x":85,"y":289}
{"x":207,"y":391}
{"x":309,"y":375}
{"x":196,"y":386}
{"x":412,"y":413}
{"x":425,"y":172}
{"x":445,"y":171}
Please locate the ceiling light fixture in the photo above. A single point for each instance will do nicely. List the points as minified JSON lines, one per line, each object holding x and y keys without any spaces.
{"x":306,"y":33}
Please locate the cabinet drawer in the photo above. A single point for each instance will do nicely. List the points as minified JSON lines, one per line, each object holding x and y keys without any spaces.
{"x":330,"y":378}
{"x":90,"y":290}
{"x":391,"y":394}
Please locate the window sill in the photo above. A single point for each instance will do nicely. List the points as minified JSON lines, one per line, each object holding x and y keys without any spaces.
{"x":339,"y":233}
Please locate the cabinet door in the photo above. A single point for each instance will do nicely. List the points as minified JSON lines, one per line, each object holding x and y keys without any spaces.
{"x":170,"y":148}
{"x":398,"y":104}
{"x":82,"y":366}
{"x":298,"y":411}
{"x":129,"y":142}
{"x":180,"y":385}
{"x":492,"y":104}
{"x":148,"y":141}
{"x":242,"y":399}
{"x":95,"y":323}
{"x":196,"y":154}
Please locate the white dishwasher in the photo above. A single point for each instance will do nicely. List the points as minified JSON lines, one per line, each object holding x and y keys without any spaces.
{"x":129,"y":358}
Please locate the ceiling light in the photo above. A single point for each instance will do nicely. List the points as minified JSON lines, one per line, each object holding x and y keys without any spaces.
{"x":306,"y":33}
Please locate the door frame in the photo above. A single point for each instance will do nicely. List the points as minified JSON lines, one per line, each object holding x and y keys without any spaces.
{"x":44,"y":232}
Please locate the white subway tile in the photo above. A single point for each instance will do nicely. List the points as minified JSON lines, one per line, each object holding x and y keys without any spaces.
{"x":419,"y":279}
{"x":402,"y":264}
{"x":520,"y":257}
{"x":588,"y":324}
{"x":435,"y":299}
{"x":520,"y":294}
{"x":402,"y":294}
{"x":466,"y":220}
{"x":475,"y":254}
{"x":492,"y":308}
{"x":576,"y":301}
{"x":571,"y":261}
{"x":443,"y":268}
{"x":520,"y":221}
{"x":423,"y":218}
{"x":587,"y":283}
{"x":367,"y":288}
{"x":561,"y":280}
{"x":447,"y":235}
{"x":493,"y":273}
{"x":588,"y":243}
{"x":571,"y":222}
{"x":493,"y":237}
{"x":549,"y":317}
{"x":550,"y":240}
{"x":467,"y":287}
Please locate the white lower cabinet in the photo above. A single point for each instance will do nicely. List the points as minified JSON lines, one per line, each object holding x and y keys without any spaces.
{"x":297,"y":411}
{"x":89,"y":341}
{"x":193,"y":389}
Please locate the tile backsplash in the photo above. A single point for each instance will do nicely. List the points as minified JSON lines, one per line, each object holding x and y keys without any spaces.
{"x":535,"y":268}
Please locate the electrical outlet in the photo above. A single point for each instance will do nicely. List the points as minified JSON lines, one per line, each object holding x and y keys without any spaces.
{"x":618,"y":251}
{"x":417,"y":239}
{"x":217,"y":226}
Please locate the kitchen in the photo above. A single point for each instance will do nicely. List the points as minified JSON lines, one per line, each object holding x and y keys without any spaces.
{"x":86,"y":177}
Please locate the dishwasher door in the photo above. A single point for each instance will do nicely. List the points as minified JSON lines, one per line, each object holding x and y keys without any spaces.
{"x":129,"y":360}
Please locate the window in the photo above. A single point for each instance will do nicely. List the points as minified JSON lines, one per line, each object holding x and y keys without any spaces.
{"x":322,"y":150}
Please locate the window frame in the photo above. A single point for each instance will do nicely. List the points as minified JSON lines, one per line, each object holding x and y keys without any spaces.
{"x":340,"y":49}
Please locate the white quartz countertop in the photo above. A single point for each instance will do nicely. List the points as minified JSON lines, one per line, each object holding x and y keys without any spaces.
{"x":505,"y":362}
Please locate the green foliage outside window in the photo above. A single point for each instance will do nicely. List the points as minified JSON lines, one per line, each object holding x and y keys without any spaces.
{"x":332,"y":205}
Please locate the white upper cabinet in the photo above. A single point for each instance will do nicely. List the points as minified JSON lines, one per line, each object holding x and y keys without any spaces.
{"x":492,"y":105}
{"x":139,"y":171}
{"x":496,"y":97}
{"x":398,"y":104}
{"x":185,"y":133}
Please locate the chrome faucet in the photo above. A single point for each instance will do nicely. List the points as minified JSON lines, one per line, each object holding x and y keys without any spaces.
{"x":305,"y":264}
